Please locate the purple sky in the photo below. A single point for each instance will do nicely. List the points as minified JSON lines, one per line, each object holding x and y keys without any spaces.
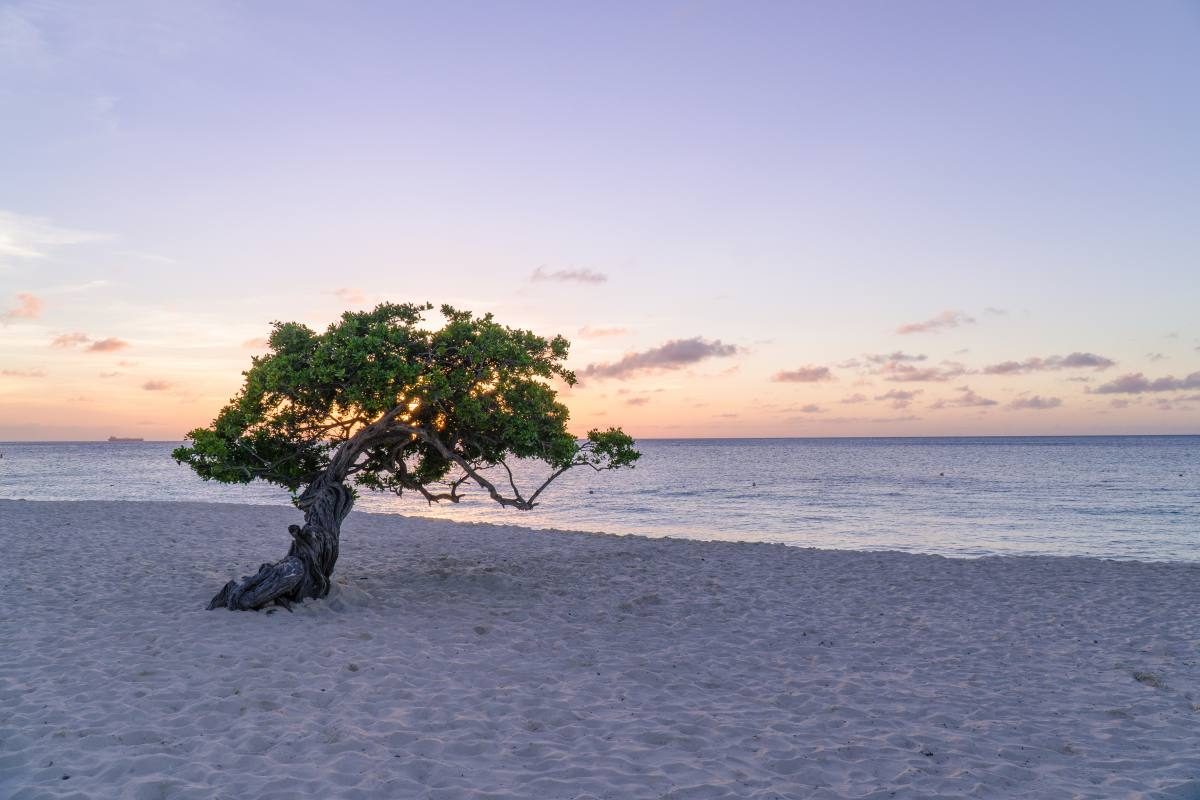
{"x":730,"y":198}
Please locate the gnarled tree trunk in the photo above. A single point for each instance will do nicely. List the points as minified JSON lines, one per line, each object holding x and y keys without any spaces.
{"x":307,"y":568}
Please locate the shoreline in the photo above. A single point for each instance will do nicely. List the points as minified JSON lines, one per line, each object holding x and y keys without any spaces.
{"x":356,"y":513}
{"x":481,"y":660}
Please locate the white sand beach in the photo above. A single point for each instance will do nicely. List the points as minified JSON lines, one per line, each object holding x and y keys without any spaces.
{"x":475,"y":661}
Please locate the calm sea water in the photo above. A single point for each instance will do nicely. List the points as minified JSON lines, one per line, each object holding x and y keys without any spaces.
{"x":1121,"y":497}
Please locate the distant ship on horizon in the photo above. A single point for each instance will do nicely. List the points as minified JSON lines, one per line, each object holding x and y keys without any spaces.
{"x":126,"y":439}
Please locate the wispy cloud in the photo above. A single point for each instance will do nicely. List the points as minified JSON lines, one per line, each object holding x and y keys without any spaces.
{"x":21,"y":41}
{"x":637,"y":401}
{"x":1050,"y":364}
{"x":854,"y":398}
{"x":1137,"y":383}
{"x":880,"y":420}
{"x":28,"y":307}
{"x":156,"y":386}
{"x":1035,"y":403}
{"x":967,"y":398}
{"x":23,"y":373}
{"x":153,"y":258}
{"x":24,"y":237}
{"x":810,"y":408}
{"x":944,"y":320}
{"x":588,"y":332}
{"x":808,"y":374}
{"x":672,"y":355}
{"x":257,"y":343}
{"x":899,"y":397}
{"x":74,"y":288}
{"x":349,"y":294}
{"x":1155,"y":356}
{"x":568,"y":276}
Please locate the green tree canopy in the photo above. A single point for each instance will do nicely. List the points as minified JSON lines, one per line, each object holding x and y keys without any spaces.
{"x":382,"y":401}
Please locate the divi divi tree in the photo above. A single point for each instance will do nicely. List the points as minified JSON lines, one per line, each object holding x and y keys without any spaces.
{"x":380,"y":401}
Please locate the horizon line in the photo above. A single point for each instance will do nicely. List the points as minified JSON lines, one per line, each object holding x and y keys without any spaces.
{"x":729,"y":438}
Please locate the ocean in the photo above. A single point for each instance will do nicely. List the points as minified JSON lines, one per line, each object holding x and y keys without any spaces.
{"x":1125,"y":497}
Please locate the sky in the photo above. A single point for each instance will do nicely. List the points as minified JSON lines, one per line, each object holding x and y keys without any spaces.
{"x":751,"y":219}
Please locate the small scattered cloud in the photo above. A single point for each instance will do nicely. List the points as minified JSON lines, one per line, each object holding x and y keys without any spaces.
{"x":672,"y":355}
{"x":944,"y":320}
{"x":808,"y":374}
{"x":810,"y":408}
{"x":109,"y":345}
{"x":588,"y":332}
{"x":967,"y":398}
{"x":28,"y":307}
{"x":568,"y":276}
{"x":996,"y":312}
{"x":70,"y":340}
{"x":1154,"y":356}
{"x":1137,"y":383}
{"x":156,"y":386}
{"x":23,"y":373}
{"x":897,"y":356}
{"x":637,"y":401}
{"x":900,"y":372}
{"x":1050,"y":364}
{"x":1119,"y":403}
{"x":111,"y":374}
{"x":854,"y":398}
{"x":1035,"y":403}
{"x":257,"y":343}
{"x":900,"y":398}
